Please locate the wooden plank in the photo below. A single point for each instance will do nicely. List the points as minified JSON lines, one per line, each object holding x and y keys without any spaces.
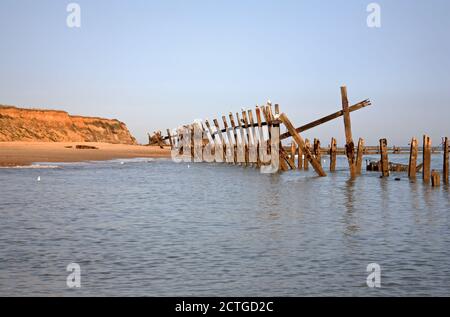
{"x":446,"y":165}
{"x":284,"y":157}
{"x":384,"y":158}
{"x":333,"y":147}
{"x":426,"y":173}
{"x":349,"y":146}
{"x":328,"y":118}
{"x":247,"y":144}
{"x":412,"y":166}
{"x":299,"y":140}
{"x":359,"y":156}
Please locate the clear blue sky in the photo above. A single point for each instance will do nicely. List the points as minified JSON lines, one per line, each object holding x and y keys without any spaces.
{"x":157,"y":64}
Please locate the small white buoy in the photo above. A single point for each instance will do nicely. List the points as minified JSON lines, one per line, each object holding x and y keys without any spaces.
{"x":189,"y":166}
{"x":121,"y":163}
{"x":38,"y":178}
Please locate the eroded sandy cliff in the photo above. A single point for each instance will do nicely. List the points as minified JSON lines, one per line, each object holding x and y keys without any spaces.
{"x":19,"y":124}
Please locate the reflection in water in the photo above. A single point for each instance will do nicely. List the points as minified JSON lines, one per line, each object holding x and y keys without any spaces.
{"x":349,"y":218}
{"x":162,"y":229}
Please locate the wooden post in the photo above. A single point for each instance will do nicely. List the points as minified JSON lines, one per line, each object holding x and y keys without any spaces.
{"x":300,"y":158}
{"x":293,"y":150}
{"x":299,"y":140}
{"x":384,"y":158}
{"x":233,"y":125}
{"x":413,"y":159}
{"x":260,"y":134}
{"x":277,"y":109}
{"x":359,"y":156}
{"x":445,"y":168}
{"x":317,"y":153}
{"x":333,"y":148}
{"x":426,"y":174}
{"x":230,"y":139}
{"x":243,"y":138}
{"x":254,"y":156}
{"x":221,"y":138}
{"x":247,"y":144}
{"x":305,"y":159}
{"x":349,"y":146}
{"x":435,"y":179}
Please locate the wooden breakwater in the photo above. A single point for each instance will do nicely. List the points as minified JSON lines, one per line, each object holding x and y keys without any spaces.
{"x":248,"y":138}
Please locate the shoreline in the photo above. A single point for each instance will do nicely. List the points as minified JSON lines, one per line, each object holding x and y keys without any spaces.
{"x":20,"y":153}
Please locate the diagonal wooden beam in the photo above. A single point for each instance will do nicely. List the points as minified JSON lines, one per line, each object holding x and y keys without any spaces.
{"x":330,"y":117}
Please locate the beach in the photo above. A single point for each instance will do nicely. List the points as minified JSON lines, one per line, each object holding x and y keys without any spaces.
{"x":26,"y":153}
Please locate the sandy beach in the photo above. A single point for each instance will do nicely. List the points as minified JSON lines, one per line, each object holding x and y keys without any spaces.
{"x":26,"y":153}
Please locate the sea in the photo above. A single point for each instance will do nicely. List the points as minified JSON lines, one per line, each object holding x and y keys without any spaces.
{"x":153,"y":227}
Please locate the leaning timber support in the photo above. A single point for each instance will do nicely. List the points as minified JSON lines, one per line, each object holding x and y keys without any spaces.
{"x":333,"y":148}
{"x":236,"y":144}
{"x":359,"y":156}
{"x":299,"y":140}
{"x":328,"y":118}
{"x":426,"y":174}
{"x":413,"y":159}
{"x":445,"y":167}
{"x":384,"y":158}
{"x":349,"y":146}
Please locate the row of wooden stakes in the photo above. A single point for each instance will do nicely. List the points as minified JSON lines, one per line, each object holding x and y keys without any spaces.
{"x":246,"y":131}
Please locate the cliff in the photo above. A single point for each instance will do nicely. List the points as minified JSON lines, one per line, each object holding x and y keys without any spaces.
{"x":19,"y":124}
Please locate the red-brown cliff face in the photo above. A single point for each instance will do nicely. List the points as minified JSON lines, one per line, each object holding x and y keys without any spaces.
{"x":19,"y":124}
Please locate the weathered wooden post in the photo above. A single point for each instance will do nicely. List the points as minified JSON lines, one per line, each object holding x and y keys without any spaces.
{"x":317,"y":153}
{"x":426,"y":174}
{"x":293,"y":151}
{"x":384,"y":158}
{"x":413,"y":159}
{"x":305,"y":159}
{"x":300,"y":158}
{"x":445,"y":167}
{"x":233,"y":125}
{"x":333,"y":148}
{"x":243,"y":139}
{"x":247,"y":141}
{"x":170,"y":139}
{"x":435,"y":178}
{"x":261,"y":156}
{"x":298,"y":139}
{"x":349,"y":146}
{"x":230,"y":155}
{"x":254,"y":152}
{"x":359,"y":156}
{"x":221,"y":138}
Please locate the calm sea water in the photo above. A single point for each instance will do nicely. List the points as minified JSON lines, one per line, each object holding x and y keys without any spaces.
{"x":156,"y":228}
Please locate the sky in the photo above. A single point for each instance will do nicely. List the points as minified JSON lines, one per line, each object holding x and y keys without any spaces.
{"x":158,"y":64}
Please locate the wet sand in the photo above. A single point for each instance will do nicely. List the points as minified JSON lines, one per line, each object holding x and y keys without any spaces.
{"x":26,"y":153}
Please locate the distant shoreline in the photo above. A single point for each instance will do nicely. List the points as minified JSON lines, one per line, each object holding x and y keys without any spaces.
{"x":19,"y":153}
